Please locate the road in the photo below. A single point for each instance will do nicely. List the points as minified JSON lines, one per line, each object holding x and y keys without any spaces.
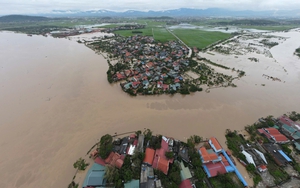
{"x":190,"y":50}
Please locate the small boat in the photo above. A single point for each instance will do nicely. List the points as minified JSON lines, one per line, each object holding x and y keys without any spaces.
{"x":242,"y":162}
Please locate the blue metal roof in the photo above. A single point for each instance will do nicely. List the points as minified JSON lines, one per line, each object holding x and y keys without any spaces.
{"x":285,"y":156}
{"x":132,"y":184}
{"x":95,"y":176}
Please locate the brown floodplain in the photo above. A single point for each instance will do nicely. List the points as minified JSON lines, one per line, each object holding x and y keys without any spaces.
{"x":56,"y":103}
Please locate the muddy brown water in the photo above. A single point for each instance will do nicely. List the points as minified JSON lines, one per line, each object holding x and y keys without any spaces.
{"x":55,"y":103}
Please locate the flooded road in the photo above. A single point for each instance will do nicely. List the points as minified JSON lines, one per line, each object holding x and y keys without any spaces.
{"x":56,"y":103}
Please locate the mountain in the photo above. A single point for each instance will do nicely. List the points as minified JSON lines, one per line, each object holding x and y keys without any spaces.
{"x":22,"y":18}
{"x":183,"y":12}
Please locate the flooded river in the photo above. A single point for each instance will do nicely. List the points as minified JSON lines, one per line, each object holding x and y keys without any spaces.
{"x":56,"y":103}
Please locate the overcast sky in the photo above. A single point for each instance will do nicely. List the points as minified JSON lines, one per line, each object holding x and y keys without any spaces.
{"x":45,"y":6}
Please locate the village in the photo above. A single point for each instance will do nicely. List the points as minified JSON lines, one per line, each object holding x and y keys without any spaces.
{"x":269,"y":150}
{"x":145,"y":66}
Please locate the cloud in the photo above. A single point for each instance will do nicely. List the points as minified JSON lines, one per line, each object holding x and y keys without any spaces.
{"x":45,"y":6}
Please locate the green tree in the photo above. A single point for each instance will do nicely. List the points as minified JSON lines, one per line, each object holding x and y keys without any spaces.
{"x":105,"y":146}
{"x":110,"y":173}
{"x":169,"y":155}
{"x":250,"y":168}
{"x":80,"y":164}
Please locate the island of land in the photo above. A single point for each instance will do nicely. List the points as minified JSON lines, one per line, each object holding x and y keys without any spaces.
{"x":269,"y":150}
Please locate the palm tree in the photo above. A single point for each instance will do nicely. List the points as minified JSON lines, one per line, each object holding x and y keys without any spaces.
{"x":110,"y":172}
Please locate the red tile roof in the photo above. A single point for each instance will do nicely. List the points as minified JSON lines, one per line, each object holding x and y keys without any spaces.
{"x":100,"y":161}
{"x":286,"y":120}
{"x":163,"y":165}
{"x":114,"y":159}
{"x":165,"y":86}
{"x":109,"y":158}
{"x":272,"y":132}
{"x":216,"y":143}
{"x":185,"y":184}
{"x":207,"y":157}
{"x":119,"y":163}
{"x":280,"y":138}
{"x":149,"y":155}
{"x":215,"y":168}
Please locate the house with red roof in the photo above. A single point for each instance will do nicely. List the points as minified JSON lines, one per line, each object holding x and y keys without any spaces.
{"x":273,"y":135}
{"x":186,"y":184}
{"x":120,"y":76}
{"x":160,"y":161}
{"x":159,"y":84}
{"x":135,"y":84}
{"x":114,"y":159}
{"x":165,"y":87}
{"x":214,"y":143}
{"x":207,"y":157}
{"x":149,"y":155}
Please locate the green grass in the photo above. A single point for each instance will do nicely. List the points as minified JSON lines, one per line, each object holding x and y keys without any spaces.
{"x":199,"y":38}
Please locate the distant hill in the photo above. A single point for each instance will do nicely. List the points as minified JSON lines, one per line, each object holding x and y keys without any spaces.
{"x":182,"y":12}
{"x":22,"y":18}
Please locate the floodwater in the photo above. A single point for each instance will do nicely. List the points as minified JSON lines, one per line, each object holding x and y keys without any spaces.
{"x":56,"y":103}
{"x":225,"y":29}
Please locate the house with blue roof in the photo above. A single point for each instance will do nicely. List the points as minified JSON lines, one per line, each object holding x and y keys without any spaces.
{"x":95,"y":177}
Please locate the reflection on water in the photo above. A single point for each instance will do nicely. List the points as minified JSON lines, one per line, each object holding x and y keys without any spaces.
{"x":56,"y":102}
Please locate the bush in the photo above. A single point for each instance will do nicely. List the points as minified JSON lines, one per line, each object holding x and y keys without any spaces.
{"x":169,"y":155}
{"x":80,"y":164}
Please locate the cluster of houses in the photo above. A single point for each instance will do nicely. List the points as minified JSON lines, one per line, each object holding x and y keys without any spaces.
{"x":216,"y":161}
{"x":152,"y":65}
{"x":154,"y":159}
{"x":284,"y":131}
{"x":123,"y":27}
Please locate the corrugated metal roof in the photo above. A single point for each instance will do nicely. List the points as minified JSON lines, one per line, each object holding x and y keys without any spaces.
{"x":185,"y":172}
{"x":249,"y":157}
{"x":285,"y":156}
{"x":95,"y":176}
{"x":132,"y":184}
{"x":261,"y":155}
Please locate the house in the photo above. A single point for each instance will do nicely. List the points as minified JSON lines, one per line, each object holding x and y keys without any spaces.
{"x":273,"y":135}
{"x":95,"y":176}
{"x":262,"y":168}
{"x":165,"y":87}
{"x":120,"y":76}
{"x":160,"y":161}
{"x":185,"y":172}
{"x":149,"y":155}
{"x":115,"y":159}
{"x":208,"y":156}
{"x":297,"y":146}
{"x":215,"y":144}
{"x":135,"y":84}
{"x":127,"y":85}
{"x":186,"y":184}
{"x":249,"y":158}
{"x":132,"y":184}
{"x":291,"y":132}
{"x":159,"y":84}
